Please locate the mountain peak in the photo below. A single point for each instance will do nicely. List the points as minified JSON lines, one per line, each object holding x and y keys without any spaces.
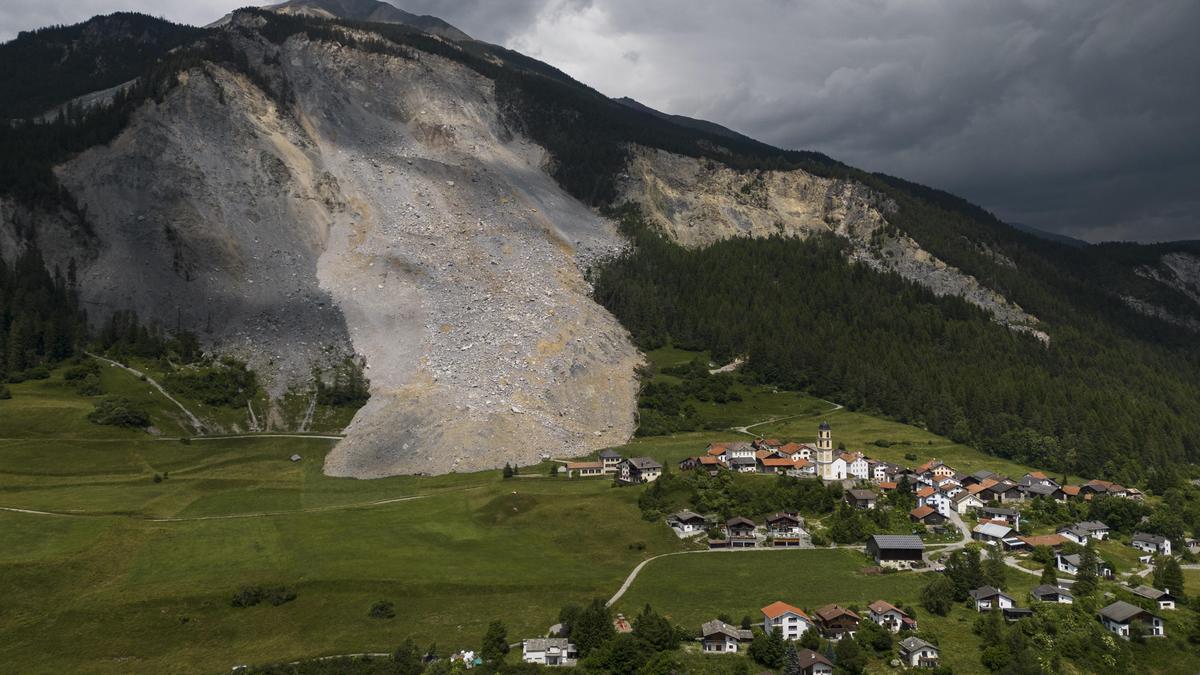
{"x":370,"y":10}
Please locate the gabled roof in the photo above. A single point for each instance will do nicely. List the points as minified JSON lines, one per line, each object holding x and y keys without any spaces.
{"x":898,"y":541}
{"x":718,"y":627}
{"x":778,"y":461}
{"x":1051,"y":540}
{"x":1156,"y":539}
{"x":716,"y":449}
{"x":861,"y":494}
{"x":779,"y":608}
{"x":1123,"y":612}
{"x":575,"y":466}
{"x":925,"y":491}
{"x":1151,"y":593}
{"x":887,"y":485}
{"x":1071,"y":490}
{"x":776,"y":517}
{"x":738,"y":520}
{"x":985,"y":592}
{"x":921,"y":512}
{"x":546,"y":644}
{"x":686,"y":516}
{"x":809,"y":658}
{"x":883,"y":606}
{"x":643,"y":463}
{"x":707,"y":460}
{"x":912,"y":644}
{"x":790,"y":448}
{"x":995,"y":511}
{"x":1046,"y":589}
{"x":993,"y":530}
{"x":831,"y":612}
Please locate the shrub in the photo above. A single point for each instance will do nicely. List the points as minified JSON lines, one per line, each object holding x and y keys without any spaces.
{"x":119,"y":412}
{"x":250,"y":596}
{"x":5,"y":394}
{"x":883,"y":443}
{"x":81,"y":371}
{"x":89,"y":386}
{"x":37,"y":373}
{"x":383,"y":609}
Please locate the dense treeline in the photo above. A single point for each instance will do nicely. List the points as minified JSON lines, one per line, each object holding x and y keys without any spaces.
{"x":40,"y":319}
{"x":1095,"y":401}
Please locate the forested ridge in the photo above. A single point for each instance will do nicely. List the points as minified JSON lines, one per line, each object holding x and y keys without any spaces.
{"x":1094,"y":402}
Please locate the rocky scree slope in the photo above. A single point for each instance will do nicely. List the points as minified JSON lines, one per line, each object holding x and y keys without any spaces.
{"x":698,"y":201}
{"x":380,"y":207}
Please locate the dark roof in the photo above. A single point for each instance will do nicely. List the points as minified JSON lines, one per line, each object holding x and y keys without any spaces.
{"x":984,"y":592}
{"x":912,"y":644}
{"x":718,"y":627}
{"x":644,"y":463}
{"x":781,"y":516}
{"x":609,"y":453}
{"x":808,"y":658}
{"x":898,"y":541}
{"x":824,"y":426}
{"x":1157,"y":540}
{"x":1039,"y":489}
{"x":745,"y":461}
{"x":999,"y":511}
{"x":1047,"y":589}
{"x":861,"y":494}
{"x":1151,"y":593}
{"x":738,"y":520}
{"x":685,"y":516}
{"x":981,"y":475}
{"x":1123,"y":612}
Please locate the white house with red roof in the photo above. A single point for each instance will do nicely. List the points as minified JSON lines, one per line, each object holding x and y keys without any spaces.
{"x":790,"y":621}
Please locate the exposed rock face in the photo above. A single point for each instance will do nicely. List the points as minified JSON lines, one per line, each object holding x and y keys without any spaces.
{"x":386,"y":211}
{"x":698,"y":202}
{"x":1180,"y":271}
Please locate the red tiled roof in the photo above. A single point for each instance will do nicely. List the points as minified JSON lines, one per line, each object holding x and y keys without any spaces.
{"x":1044,"y":540}
{"x":830,"y":612}
{"x":779,"y":608}
{"x":789,"y":448}
{"x":1072,"y":490}
{"x":778,"y":461}
{"x":709,"y":460}
{"x":921,"y":512}
{"x":571,"y":466}
{"x":881,"y":606}
{"x":925,"y":491}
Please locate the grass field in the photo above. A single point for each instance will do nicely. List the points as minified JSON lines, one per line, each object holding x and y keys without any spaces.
{"x":134,"y":576}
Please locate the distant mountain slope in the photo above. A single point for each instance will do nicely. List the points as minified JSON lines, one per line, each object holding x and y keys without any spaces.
{"x":44,"y":68}
{"x":1051,"y":236}
{"x":681,"y":120}
{"x":369,"y":10}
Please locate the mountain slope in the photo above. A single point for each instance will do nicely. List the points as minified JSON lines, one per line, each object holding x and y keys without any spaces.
{"x":369,"y":10}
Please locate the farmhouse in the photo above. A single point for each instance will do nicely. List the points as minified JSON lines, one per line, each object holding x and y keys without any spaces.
{"x":862,"y":499}
{"x":790,"y":621}
{"x":917,"y":653}
{"x":1082,"y":531}
{"x":1164,"y":599}
{"x":687,"y":523}
{"x":896,"y":550}
{"x":836,"y":622}
{"x":1151,"y":543}
{"x":856,"y":465}
{"x":721,"y":638}
{"x":784,"y":525}
{"x":966,"y":501}
{"x":1121,"y":616}
{"x":585,"y":469}
{"x":557,"y":651}
{"x":638,"y":470}
{"x":1048,"y":593}
{"x":1010,"y":516}
{"x":611,"y":459}
{"x":1070,"y":564}
{"x":991,"y":532}
{"x":891,"y":617}
{"x":926,"y":515}
{"x":988,"y":598}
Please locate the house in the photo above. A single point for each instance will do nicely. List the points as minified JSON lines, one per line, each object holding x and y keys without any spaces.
{"x":718,"y":450}
{"x":941,"y":500}
{"x":639,"y":470}
{"x":743,"y":464}
{"x":988,"y":598}
{"x":917,"y":653}
{"x":977,"y":478}
{"x":784,"y":525}
{"x":1102,"y":487}
{"x":803,"y":467}
{"x":891,"y":617}
{"x":926,"y":515}
{"x":966,"y":501}
{"x":689,"y":463}
{"x":1163,"y":598}
{"x":791,"y":622}
{"x":585,"y":469}
{"x":1082,"y":531}
{"x":555,"y":651}
{"x":776,"y":464}
{"x":1048,"y":593}
{"x":740,"y":450}
{"x":741,"y":532}
{"x":1045,"y":491}
{"x":1070,"y":564}
{"x":721,"y":638}
{"x":812,"y":663}
{"x":1121,"y":616}
{"x":991,"y":532}
{"x":1070,"y":491}
{"x":1151,"y":543}
{"x":836,"y":622}
{"x":686,"y":523}
{"x":901,"y":551}
{"x":1010,"y":516}
{"x":879,"y":471}
{"x":1016,"y":613}
{"x":611,"y":459}
{"x":861,"y":499}
{"x":856,"y":465}
{"x":1001,"y":491}
{"x":1037,"y":478}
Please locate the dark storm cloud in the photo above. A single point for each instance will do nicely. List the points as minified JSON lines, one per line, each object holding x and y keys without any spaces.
{"x":1077,"y":117}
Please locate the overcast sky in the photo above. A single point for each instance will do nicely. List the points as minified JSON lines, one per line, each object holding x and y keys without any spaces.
{"x":1079,"y":117}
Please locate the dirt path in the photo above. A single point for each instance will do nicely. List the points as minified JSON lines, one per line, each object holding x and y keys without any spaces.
{"x":746,"y":429}
{"x":196,"y":423}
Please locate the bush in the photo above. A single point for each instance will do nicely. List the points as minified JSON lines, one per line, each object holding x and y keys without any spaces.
{"x":81,"y":371}
{"x":119,"y":412}
{"x":5,"y":394}
{"x":89,"y":386}
{"x":383,"y":609}
{"x":882,"y":443}
{"x":250,"y":596}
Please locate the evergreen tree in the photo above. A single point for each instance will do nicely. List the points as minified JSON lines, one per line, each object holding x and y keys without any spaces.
{"x":1050,"y":573}
{"x":592,"y":628}
{"x":495,"y":643}
{"x":1168,"y":575}
{"x":1085,"y":577}
{"x":508,"y":471}
{"x":995,"y":572}
{"x":850,"y":657}
{"x":767,"y":648}
{"x":938,"y":596}
{"x":791,"y":660}
{"x":406,"y":660}
{"x":654,"y":630}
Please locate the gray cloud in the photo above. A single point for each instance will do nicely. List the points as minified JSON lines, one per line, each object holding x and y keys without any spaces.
{"x":1076,"y":117}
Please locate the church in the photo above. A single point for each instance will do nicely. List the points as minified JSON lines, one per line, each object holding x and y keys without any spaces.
{"x":830,"y":464}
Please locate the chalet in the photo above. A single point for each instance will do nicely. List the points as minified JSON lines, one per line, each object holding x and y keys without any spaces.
{"x":686,"y":523}
{"x":991,"y":532}
{"x":1120,"y":616}
{"x":776,"y":464}
{"x":988,"y":598}
{"x":784,"y":525}
{"x":638,"y":470}
{"x":1010,"y":516}
{"x":1135,"y":494}
{"x":719,"y":451}
{"x":554,"y":651}
{"x":1070,"y":491}
{"x":856,"y":465}
{"x":1070,"y":564}
{"x":917,"y":653}
{"x":791,"y":622}
{"x":879,"y":471}
{"x":926,"y":515}
{"x":585,"y":469}
{"x":1036,"y":478}
{"x":889,"y":616}
{"x":1102,"y":487}
{"x":743,"y":464}
{"x":740,"y":450}
{"x":611,"y":460}
{"x":813,"y":663}
{"x":901,"y":551}
{"x":836,"y":622}
{"x":977,"y":478}
{"x":1163,"y":598}
{"x":1082,"y":531}
{"x":721,"y":638}
{"x":1151,"y":543}
{"x":1045,"y":491}
{"x":771,"y":444}
{"x":710,"y":464}
{"x":1048,"y":593}
{"x":886,"y":487}
{"x":689,"y":463}
{"x":1002,"y":491}
{"x":934,"y":467}
{"x":938,"y":500}
{"x":741,"y":531}
{"x":861,"y":499}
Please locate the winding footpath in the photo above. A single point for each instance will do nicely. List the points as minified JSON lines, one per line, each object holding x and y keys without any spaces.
{"x":196,"y":423}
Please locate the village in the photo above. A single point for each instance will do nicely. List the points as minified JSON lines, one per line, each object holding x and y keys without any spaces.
{"x":983,"y":508}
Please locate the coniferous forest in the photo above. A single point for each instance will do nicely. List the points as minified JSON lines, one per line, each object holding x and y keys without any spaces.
{"x":1095,"y":401}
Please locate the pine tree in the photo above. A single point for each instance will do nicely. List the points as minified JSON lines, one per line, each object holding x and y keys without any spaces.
{"x":508,"y":470}
{"x":995,"y":572}
{"x":1168,"y":575}
{"x":495,"y":643}
{"x":791,"y":660}
{"x":1085,"y":577}
{"x":1050,"y":573}
{"x":592,"y":628}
